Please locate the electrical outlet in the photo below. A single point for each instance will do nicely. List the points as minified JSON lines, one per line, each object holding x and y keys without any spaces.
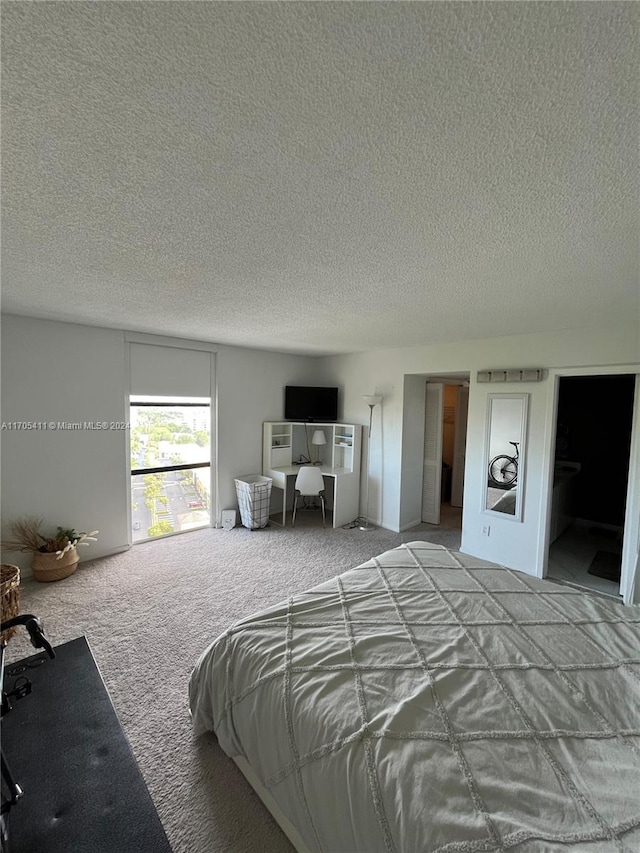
{"x":486,"y":529}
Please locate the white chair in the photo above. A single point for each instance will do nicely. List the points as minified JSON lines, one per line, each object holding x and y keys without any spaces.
{"x":309,"y":483}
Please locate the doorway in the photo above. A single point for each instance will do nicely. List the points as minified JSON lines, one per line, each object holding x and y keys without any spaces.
{"x":445,"y":435}
{"x":594,"y":424}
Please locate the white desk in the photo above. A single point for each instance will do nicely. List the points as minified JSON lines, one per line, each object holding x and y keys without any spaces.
{"x":345,"y":490}
{"x":284,"y":442}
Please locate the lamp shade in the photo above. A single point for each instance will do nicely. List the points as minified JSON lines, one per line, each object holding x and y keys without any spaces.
{"x":372,"y":399}
{"x":318,"y":437}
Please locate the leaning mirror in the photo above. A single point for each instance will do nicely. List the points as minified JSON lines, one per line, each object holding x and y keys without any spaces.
{"x":504,"y":456}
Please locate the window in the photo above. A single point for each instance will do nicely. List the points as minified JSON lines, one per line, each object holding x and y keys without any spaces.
{"x":170,"y":465}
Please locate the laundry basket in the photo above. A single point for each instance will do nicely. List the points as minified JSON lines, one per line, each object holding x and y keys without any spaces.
{"x":254,"y":497}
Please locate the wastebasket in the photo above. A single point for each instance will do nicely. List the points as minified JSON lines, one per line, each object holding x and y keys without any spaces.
{"x":254,"y":497}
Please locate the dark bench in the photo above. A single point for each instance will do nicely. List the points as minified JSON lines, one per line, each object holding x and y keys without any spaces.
{"x":83,"y":791}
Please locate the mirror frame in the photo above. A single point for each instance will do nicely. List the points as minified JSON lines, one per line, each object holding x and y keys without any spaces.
{"x":522,"y":452}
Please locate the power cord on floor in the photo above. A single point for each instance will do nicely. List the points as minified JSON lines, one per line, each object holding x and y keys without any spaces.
{"x":355,"y":523}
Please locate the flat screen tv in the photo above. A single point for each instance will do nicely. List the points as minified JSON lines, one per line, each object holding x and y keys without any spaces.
{"x":302,"y":403}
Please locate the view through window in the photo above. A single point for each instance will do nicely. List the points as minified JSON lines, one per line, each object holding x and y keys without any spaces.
{"x":170,"y":465}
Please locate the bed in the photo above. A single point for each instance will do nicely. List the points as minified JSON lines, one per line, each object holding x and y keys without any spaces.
{"x":505,"y":503}
{"x":431,"y":701}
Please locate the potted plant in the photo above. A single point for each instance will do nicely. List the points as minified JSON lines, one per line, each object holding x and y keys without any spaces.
{"x":55,"y":556}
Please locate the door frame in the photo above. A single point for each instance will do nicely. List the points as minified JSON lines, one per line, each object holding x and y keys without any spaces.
{"x":631,"y":533}
{"x":459,"y":378}
{"x":460,"y":441}
{"x":434,"y":464}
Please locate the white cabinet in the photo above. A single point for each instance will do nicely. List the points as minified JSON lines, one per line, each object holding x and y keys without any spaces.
{"x":287,"y":445}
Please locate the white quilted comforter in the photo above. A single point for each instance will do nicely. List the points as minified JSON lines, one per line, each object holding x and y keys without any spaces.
{"x":431,"y":702}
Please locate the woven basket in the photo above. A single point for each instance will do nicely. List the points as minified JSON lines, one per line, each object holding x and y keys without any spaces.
{"x":47,"y":567}
{"x":10,"y":593}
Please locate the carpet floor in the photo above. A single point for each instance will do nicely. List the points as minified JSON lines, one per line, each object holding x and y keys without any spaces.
{"x":150,"y":612}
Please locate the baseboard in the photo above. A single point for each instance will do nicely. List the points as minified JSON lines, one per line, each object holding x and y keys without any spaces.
{"x":409,"y":525}
{"x":26,"y":573}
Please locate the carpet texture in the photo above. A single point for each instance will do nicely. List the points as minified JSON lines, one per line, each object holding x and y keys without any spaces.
{"x":149,"y":613}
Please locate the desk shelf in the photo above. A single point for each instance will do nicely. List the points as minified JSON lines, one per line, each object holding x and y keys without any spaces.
{"x":277,"y":444}
{"x":343,"y":440}
{"x":280,"y":435}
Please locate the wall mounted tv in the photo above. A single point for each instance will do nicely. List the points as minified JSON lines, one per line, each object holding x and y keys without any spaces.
{"x":302,"y":403}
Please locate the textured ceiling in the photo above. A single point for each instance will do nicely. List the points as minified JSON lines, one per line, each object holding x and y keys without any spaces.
{"x":325,"y":176}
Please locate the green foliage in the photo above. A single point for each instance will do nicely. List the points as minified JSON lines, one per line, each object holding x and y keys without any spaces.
{"x":66,"y":533}
{"x":150,"y":417}
{"x":175,"y":426}
{"x":153,"y":486}
{"x":160,"y":528}
{"x":161,"y":433}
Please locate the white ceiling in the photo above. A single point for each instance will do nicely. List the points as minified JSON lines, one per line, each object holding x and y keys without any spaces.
{"x":321,"y":177}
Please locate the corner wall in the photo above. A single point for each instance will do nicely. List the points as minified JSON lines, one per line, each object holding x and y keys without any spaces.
{"x":61,"y":373}
{"x":250,"y":391}
{"x":65,"y":372}
{"x":393,"y":373}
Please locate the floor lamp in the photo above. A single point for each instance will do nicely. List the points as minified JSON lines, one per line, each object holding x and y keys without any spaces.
{"x":372,"y":401}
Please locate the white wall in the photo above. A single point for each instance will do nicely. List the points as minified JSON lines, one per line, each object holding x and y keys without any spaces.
{"x":60,"y":372}
{"x":413,"y":418}
{"x":385,"y":372}
{"x":250,"y":391}
{"x":510,"y":542}
{"x":67,"y":372}
{"x":506,"y":424}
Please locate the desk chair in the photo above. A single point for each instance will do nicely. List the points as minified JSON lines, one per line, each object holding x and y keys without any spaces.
{"x":309,"y":483}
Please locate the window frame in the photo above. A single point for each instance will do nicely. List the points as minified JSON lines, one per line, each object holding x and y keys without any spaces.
{"x":166,"y":402}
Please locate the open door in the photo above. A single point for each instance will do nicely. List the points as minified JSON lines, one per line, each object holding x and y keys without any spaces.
{"x":459,"y":446}
{"x":432,"y":472}
{"x":630,"y":574}
{"x":590,"y":508}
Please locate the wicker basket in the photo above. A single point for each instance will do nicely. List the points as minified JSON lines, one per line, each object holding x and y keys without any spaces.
{"x":10,"y":592}
{"x":47,"y":567}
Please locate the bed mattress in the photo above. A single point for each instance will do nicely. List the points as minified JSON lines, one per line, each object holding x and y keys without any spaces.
{"x":430,"y":701}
